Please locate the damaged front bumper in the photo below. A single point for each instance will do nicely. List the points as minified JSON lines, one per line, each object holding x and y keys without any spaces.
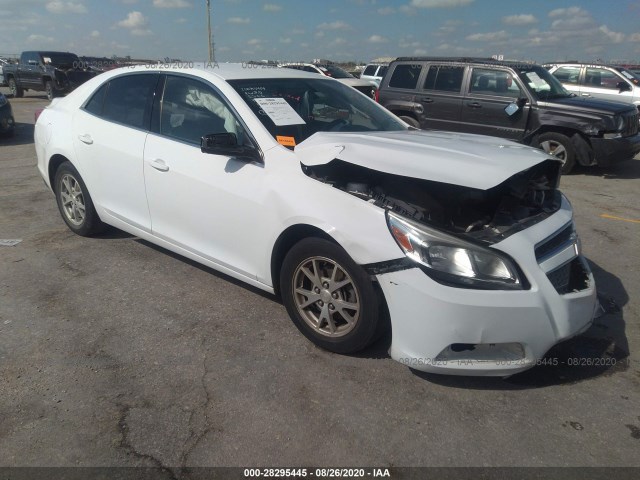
{"x":442,"y":329}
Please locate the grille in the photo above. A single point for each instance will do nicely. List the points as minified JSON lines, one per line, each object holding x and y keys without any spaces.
{"x":556,"y":242}
{"x":571,"y":277}
{"x":631,"y":125}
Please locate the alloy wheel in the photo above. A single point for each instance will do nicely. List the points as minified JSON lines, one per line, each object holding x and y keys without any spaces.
{"x":72,"y":199}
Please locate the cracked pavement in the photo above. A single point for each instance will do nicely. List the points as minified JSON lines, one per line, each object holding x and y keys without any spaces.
{"x":114,"y":352}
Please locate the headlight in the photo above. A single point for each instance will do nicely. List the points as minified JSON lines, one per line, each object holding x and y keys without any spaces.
{"x":619,"y":122}
{"x":3,"y":100}
{"x":453,"y":261}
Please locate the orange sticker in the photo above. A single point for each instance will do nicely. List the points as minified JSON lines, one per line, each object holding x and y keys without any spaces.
{"x":286,"y":141}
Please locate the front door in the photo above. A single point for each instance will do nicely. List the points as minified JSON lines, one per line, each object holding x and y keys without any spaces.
{"x":489,"y":92}
{"x":207,"y":204}
{"x":441,"y":97}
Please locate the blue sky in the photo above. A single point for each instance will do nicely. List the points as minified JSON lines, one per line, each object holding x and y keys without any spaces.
{"x":359,"y":30}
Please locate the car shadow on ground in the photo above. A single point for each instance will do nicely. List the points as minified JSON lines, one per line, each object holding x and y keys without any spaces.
{"x":601,"y":350}
{"x":625,"y":171}
{"x":23,"y":135}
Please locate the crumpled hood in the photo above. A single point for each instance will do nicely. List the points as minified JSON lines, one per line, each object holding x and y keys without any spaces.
{"x":474,"y":161}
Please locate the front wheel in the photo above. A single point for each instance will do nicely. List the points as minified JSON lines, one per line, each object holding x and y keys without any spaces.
{"x":559,"y":146}
{"x":51,"y":92}
{"x":74,"y":202}
{"x":16,"y":91}
{"x":329,"y":297}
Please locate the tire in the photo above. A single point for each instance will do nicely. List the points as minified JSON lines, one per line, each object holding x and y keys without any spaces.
{"x":72,"y":197}
{"x":552,"y":142}
{"x":16,"y":91}
{"x":327,"y":268}
{"x":410,"y":120}
{"x":51,"y":92}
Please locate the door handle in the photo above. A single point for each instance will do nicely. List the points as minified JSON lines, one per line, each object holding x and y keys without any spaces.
{"x":86,"y":138}
{"x":427,"y":100}
{"x":586,"y":94}
{"x":159,"y":165}
{"x":474,"y":104}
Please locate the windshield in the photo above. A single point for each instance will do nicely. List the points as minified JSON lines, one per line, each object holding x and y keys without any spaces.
{"x":629,"y":75}
{"x":542,"y":84}
{"x":58,"y":59}
{"x":333,"y":71}
{"x":293,"y":109}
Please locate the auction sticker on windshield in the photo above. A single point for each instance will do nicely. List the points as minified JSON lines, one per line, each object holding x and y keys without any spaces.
{"x":279,"y":111}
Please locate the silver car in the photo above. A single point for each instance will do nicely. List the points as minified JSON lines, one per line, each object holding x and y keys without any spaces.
{"x":603,"y":82}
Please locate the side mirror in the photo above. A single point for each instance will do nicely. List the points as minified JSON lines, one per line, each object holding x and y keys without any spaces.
{"x":623,"y":87}
{"x":227,"y":144}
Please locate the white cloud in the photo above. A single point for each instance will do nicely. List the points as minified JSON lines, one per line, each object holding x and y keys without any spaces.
{"x":285,"y":40}
{"x":181,"y":20}
{"x":39,"y":39}
{"x":337,"y":25}
{"x":615,"y":37}
{"x":66,"y":7}
{"x":440,"y":3}
{"x":134,"y":20}
{"x":488,"y":37}
{"x":377,"y":39}
{"x":298,"y":31}
{"x":523,"y":19}
{"x":171,"y":4}
{"x":238,"y":20}
{"x":95,"y":34}
{"x":634,"y":37}
{"x":561,"y":12}
{"x":271,"y":7}
{"x":254,"y":41}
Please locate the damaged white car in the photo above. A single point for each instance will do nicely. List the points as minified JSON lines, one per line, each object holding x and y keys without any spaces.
{"x":301,"y":186}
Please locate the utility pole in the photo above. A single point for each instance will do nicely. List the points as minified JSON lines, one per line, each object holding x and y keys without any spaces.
{"x":212,"y":57}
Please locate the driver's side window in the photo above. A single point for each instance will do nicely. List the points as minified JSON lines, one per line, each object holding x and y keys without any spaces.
{"x":191,"y":109}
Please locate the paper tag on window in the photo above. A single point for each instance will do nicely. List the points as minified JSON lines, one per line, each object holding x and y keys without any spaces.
{"x":280,"y":111}
{"x":286,"y":141}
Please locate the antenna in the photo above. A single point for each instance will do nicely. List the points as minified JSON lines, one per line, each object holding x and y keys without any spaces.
{"x":212,"y":56}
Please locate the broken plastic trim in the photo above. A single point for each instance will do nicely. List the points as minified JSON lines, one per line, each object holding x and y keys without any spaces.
{"x":389,"y":266}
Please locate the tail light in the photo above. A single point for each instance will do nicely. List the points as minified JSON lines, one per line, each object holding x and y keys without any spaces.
{"x":37,"y":114}
{"x":377,"y":95}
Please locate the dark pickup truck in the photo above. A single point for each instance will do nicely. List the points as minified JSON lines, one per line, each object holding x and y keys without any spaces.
{"x":56,"y":73}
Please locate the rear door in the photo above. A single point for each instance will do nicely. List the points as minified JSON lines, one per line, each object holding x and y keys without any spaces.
{"x":441,"y":97}
{"x":489,"y":91}
{"x":109,"y":136}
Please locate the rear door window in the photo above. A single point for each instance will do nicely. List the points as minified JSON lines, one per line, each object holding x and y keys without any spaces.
{"x":568,"y":75}
{"x":405,"y":76}
{"x":370,"y":70}
{"x":444,"y":78}
{"x":129,"y":99}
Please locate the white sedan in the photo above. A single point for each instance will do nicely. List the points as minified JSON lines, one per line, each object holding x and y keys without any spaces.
{"x":296,"y":184}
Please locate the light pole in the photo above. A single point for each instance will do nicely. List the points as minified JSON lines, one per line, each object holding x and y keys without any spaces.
{"x":210,"y":35}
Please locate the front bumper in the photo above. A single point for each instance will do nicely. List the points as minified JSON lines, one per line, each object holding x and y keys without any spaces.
{"x":441,"y":329}
{"x":608,"y":151}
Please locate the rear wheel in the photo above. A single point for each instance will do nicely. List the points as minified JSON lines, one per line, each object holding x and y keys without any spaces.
{"x":74,"y":202}
{"x":329,"y":297}
{"x":16,"y":91}
{"x":559,"y":146}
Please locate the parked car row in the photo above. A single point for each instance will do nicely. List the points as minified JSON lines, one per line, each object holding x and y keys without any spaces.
{"x":336,"y":72}
{"x":521,"y":102}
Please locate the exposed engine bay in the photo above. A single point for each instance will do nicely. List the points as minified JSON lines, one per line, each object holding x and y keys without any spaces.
{"x":484,"y":215}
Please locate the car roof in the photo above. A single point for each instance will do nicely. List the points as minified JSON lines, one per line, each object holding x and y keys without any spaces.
{"x":223,"y":71}
{"x":587,"y":64}
{"x":478,"y":60}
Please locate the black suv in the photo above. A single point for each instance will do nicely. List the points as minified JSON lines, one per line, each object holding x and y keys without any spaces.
{"x":518,"y":101}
